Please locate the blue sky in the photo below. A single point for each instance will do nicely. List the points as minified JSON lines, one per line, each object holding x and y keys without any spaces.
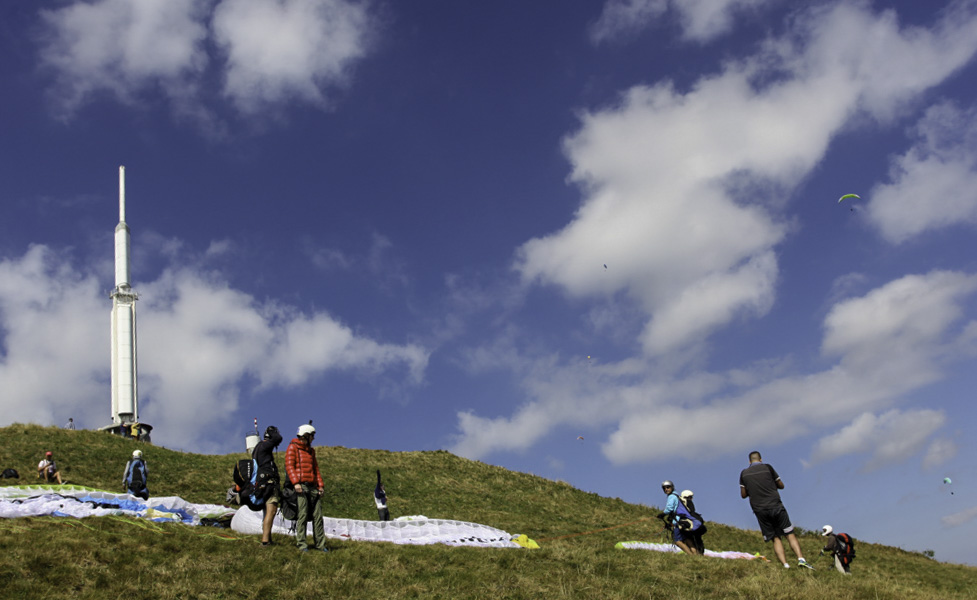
{"x":495,"y":228}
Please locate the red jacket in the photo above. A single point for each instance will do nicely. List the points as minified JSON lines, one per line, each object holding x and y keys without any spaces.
{"x":301,"y":464}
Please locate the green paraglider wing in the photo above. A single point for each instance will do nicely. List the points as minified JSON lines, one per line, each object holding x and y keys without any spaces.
{"x":849,"y":196}
{"x":947,"y":480}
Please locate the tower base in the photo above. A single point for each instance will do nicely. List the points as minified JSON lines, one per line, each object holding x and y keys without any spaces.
{"x":136,"y":431}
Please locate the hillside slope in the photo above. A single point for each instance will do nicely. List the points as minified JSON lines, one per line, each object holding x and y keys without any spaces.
{"x":116,"y":557}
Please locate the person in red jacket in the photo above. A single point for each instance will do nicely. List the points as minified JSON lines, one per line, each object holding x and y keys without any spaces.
{"x":303,"y":472}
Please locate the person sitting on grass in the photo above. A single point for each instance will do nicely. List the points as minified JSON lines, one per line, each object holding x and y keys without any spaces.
{"x":47,"y":469}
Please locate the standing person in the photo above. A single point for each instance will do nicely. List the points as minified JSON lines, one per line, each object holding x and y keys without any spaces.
{"x":267,"y":481}
{"x":673,"y":508}
{"x":841,"y":546}
{"x":70,"y":425}
{"x":47,"y":469}
{"x":760,"y":483}
{"x":380,"y":498}
{"x":303,"y":471}
{"x":135,"y":479}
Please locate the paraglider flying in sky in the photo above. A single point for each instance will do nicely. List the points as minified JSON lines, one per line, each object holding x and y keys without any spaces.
{"x":947,"y":482}
{"x":855,"y":196}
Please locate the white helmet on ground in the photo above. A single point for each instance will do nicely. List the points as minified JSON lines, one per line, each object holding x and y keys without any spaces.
{"x":826,"y":530}
{"x":306,"y":430}
{"x":137,"y":454}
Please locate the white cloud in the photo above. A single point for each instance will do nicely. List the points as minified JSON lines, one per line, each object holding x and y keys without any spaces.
{"x":890,"y":437}
{"x":663,"y":175}
{"x":961,"y":518}
{"x":887,"y":343}
{"x":941,"y":451}
{"x":202,"y":345}
{"x":54,"y":343}
{"x":380,"y":262}
{"x":277,"y":51}
{"x":124,"y":47}
{"x":934,"y":184}
{"x":896,"y":329}
{"x":701,"y":20}
{"x":660,"y":172}
{"x":625,"y":18}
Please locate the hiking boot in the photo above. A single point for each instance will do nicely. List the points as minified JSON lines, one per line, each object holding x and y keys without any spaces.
{"x":803,"y":563}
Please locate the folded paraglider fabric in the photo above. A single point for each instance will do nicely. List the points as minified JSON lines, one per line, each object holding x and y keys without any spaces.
{"x":417,"y":530}
{"x":673,"y":548}
{"x":79,"y":502}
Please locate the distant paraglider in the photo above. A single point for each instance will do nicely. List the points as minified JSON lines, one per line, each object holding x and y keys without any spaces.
{"x":947,"y":482}
{"x":847,"y":196}
{"x":580,"y":437}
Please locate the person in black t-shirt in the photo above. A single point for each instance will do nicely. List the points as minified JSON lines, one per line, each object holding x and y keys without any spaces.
{"x":760,"y":483}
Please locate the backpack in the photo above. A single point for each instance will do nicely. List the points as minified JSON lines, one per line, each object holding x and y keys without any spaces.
{"x":844,"y":548}
{"x":245,"y":474}
{"x":137,"y":475}
{"x":690,"y":507}
{"x":290,"y":501}
{"x":9,"y":474}
{"x":687,"y":523}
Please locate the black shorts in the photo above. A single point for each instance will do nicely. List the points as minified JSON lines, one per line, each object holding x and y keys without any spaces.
{"x":774,"y":523}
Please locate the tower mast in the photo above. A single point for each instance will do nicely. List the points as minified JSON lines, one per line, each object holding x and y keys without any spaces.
{"x":125,"y":391}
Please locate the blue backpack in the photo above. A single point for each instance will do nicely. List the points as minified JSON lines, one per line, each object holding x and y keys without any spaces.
{"x":255,"y":486}
{"x":136,"y":480}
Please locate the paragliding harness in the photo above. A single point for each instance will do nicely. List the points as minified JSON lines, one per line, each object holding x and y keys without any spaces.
{"x":688,"y":524}
{"x":844,"y":549}
{"x":253,"y":485}
{"x":9,"y":474}
{"x":689,"y":521}
{"x":289,"y":506}
{"x":243,"y":473}
{"x":136,"y":476}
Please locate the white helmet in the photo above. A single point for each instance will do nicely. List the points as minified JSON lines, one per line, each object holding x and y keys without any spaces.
{"x":137,"y":454}
{"x":686,"y":494}
{"x":826,"y":530}
{"x":306,"y":430}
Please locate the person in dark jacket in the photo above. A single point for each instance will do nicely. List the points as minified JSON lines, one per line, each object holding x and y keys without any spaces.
{"x":267,"y":481}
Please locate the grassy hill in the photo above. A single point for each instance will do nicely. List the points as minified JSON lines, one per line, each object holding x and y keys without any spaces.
{"x":114,"y":557}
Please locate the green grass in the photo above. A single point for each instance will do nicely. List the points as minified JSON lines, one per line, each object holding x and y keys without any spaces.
{"x":113,"y":557}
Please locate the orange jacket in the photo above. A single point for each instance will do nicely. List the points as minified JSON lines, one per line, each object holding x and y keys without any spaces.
{"x":301,"y":464}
